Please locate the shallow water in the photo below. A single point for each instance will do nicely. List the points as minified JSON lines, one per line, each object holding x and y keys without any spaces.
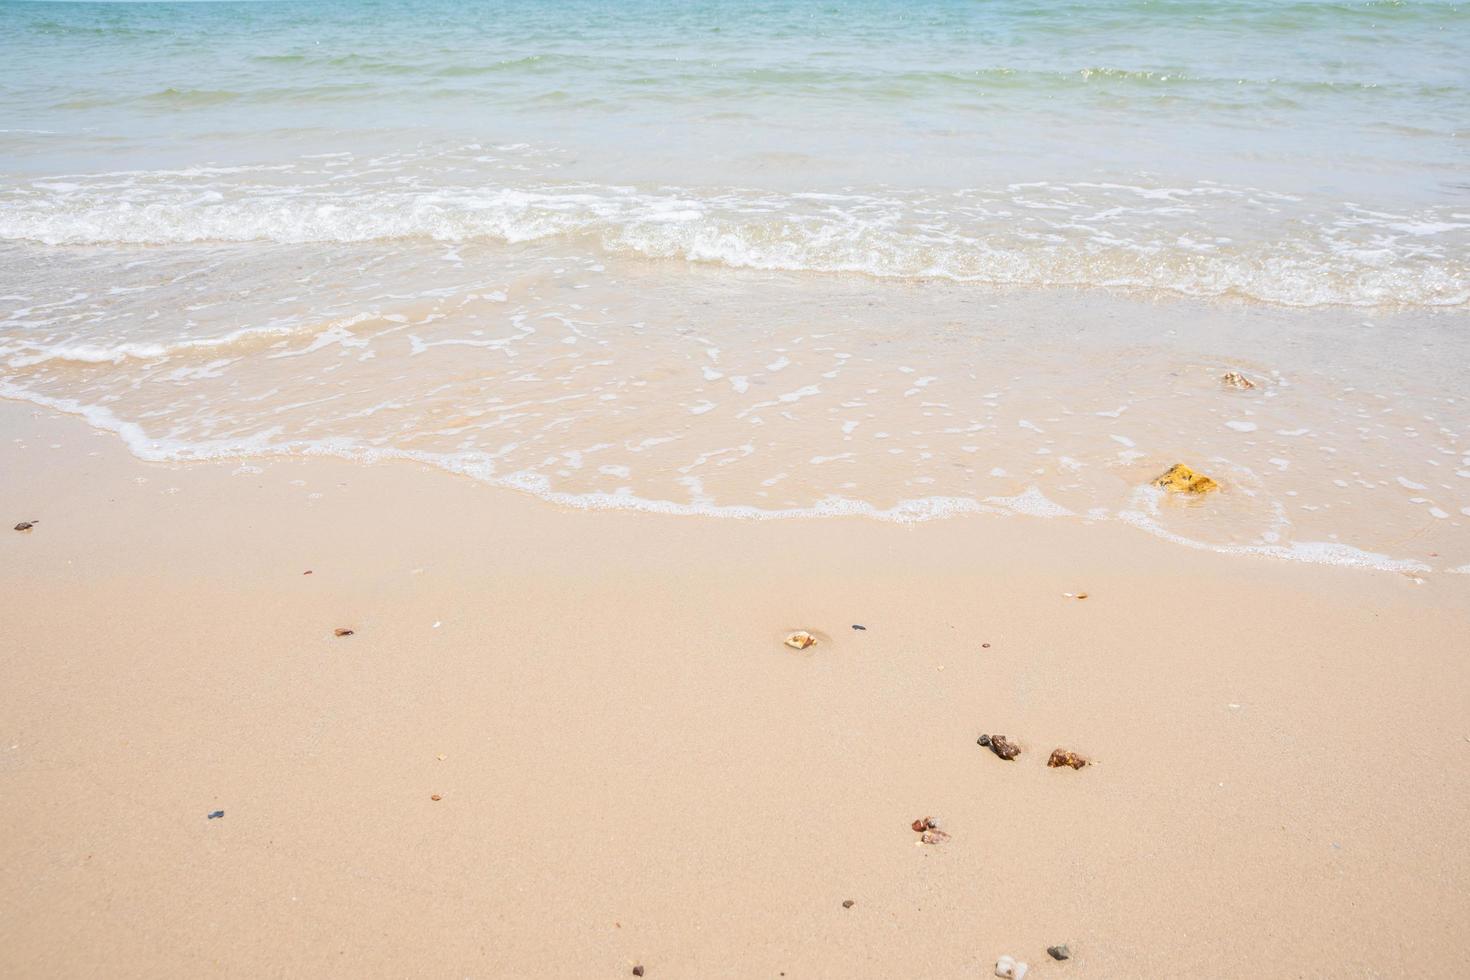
{"x":768,"y":258}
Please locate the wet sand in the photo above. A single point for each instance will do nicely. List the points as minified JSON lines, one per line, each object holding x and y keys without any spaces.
{"x":635,"y":770}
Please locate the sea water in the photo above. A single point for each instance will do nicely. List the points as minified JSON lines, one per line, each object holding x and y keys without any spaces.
{"x":763,"y":259}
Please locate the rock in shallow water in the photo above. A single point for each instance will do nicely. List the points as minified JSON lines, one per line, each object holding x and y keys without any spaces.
{"x":1181,"y":479}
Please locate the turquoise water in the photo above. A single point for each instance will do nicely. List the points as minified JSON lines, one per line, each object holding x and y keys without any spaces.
{"x":768,"y":258}
{"x":1350,"y":98}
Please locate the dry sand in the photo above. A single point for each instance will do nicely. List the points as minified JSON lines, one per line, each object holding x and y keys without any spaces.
{"x":634,"y":770}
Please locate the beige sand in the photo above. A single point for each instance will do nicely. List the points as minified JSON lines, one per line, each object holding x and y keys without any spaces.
{"x":634,"y":769}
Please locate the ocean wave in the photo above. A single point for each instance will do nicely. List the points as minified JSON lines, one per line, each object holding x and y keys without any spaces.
{"x":1207,"y":240}
{"x":23,"y":355}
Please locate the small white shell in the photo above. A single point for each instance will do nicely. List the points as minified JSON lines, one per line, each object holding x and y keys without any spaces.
{"x":1007,"y":967}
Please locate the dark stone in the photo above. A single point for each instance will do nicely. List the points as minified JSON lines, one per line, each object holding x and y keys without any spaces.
{"x":1059,"y":952}
{"x":848,"y":904}
{"x":1000,"y":745}
{"x":857,"y":627}
{"x":638,"y":971}
{"x":216,"y":814}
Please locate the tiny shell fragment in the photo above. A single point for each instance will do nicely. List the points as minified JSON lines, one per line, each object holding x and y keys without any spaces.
{"x":1008,"y":967}
{"x":1234,"y":379}
{"x":1062,"y":757}
{"x":436,"y":797}
{"x":342,"y":631}
{"x":800,"y":640}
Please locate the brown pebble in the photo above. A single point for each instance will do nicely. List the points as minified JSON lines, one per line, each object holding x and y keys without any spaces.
{"x":924,"y":823}
{"x":25,"y":525}
{"x":307,"y":572}
{"x":436,"y":797}
{"x":848,"y":904}
{"x":1000,"y":745}
{"x":638,"y":971}
{"x":342,"y":631}
{"x":985,"y":646}
{"x":1062,"y":757}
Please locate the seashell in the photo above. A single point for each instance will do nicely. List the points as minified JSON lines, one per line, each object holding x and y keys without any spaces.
{"x":800,"y":640}
{"x":1009,"y":967}
{"x":1234,"y":379}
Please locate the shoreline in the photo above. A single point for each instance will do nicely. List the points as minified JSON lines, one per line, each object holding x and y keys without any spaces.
{"x":636,"y":771}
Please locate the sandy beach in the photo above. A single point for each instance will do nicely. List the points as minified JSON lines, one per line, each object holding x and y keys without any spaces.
{"x":423,"y":424}
{"x":568,"y":743}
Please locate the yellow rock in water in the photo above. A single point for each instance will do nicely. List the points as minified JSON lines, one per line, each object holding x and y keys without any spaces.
{"x":1182,"y":479}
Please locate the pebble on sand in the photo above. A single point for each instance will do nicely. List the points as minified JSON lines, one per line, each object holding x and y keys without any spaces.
{"x":849,"y":903}
{"x":800,"y":640}
{"x":342,"y":631}
{"x":217,"y":814}
{"x":1000,"y":745}
{"x":638,"y":970}
{"x":25,"y":525}
{"x":1059,"y":952}
{"x":1063,"y":757}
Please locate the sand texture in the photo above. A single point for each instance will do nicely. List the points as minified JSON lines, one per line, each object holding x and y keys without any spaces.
{"x":632,"y":769}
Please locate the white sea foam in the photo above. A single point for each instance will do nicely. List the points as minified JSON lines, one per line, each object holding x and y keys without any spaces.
{"x":972,"y":236}
{"x":483,"y":467}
